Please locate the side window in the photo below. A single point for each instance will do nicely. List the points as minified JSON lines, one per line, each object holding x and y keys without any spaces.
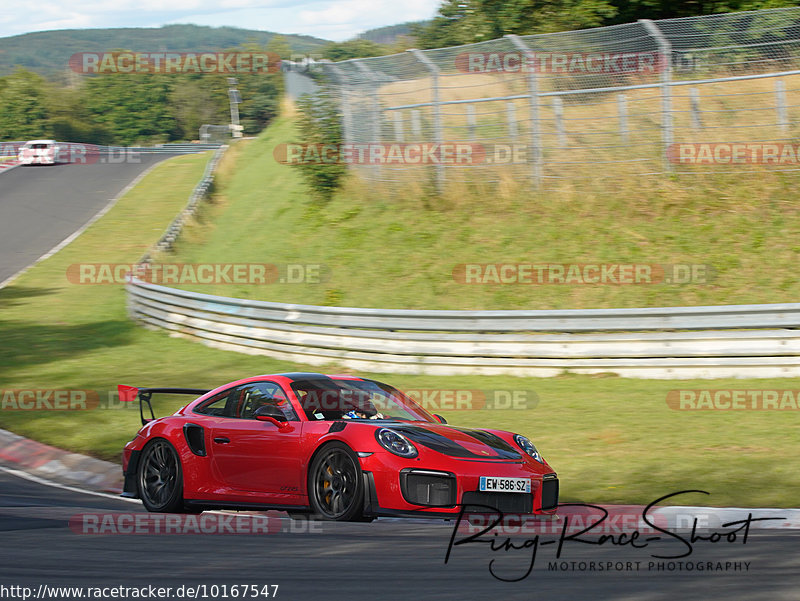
{"x":259,"y":394}
{"x":218,"y":405}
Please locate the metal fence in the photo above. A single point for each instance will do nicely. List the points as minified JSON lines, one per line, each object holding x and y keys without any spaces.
{"x":647,"y":98}
{"x":724,"y":341}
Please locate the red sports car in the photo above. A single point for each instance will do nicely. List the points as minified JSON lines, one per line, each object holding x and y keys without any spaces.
{"x":335,"y":447}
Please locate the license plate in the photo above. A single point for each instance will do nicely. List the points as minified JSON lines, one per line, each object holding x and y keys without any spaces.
{"x":494,"y":484}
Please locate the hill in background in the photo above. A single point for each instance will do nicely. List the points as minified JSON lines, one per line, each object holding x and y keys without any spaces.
{"x":48,"y":52}
{"x":390,"y":33}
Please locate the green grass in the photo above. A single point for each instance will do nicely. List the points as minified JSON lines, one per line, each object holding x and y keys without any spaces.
{"x":611,"y":439}
{"x":399,"y":250}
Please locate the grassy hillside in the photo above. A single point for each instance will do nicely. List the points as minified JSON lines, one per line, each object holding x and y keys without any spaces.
{"x":390,"y":33}
{"x":399,"y":250}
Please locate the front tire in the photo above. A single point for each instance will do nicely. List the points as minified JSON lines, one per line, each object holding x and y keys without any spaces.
{"x":160,"y":478}
{"x":335,"y":484}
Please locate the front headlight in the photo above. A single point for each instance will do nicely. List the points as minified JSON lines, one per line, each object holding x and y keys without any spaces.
{"x":396,"y":443}
{"x":526,"y":445}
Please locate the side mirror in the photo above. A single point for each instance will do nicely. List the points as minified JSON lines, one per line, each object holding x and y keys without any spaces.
{"x":440,"y":418}
{"x":273,"y":415}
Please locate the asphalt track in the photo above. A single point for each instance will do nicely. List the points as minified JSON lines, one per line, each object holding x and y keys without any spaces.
{"x":383,"y":560}
{"x":40,"y":206}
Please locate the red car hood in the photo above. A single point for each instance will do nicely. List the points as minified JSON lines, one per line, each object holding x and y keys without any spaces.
{"x":467,"y":443}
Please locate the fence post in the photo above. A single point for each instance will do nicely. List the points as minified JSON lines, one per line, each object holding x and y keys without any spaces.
{"x":398,"y":126}
{"x":533,"y":109}
{"x":511,"y":119}
{"x":780,"y":102}
{"x":471,"y":121}
{"x":558,"y":112}
{"x":622,"y":112}
{"x":416,"y":125}
{"x":694,"y":104}
{"x":665,"y":48}
{"x":437,"y":111}
{"x":347,"y":115}
{"x":375,"y":106}
{"x":375,"y":111}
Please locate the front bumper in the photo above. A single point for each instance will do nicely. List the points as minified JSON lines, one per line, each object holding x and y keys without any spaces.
{"x":395,"y":487}
{"x":37,"y":160}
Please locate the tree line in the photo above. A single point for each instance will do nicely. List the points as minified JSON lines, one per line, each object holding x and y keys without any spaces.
{"x":468,"y":21}
{"x":134,"y":108}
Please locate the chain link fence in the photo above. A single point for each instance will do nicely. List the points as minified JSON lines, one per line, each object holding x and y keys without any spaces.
{"x":706,"y":94}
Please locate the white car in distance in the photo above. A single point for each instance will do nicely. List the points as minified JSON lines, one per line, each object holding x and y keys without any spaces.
{"x":39,"y":152}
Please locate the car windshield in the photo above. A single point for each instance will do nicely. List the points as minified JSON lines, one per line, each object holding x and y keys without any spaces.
{"x":355,"y":399}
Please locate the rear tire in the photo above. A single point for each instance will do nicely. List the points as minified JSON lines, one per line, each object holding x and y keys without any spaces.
{"x":160,"y":478}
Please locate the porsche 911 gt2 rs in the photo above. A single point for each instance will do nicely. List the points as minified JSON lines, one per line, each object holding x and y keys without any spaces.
{"x":335,"y":447}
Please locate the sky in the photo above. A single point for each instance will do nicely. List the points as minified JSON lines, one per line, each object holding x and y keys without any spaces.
{"x":336,"y":20}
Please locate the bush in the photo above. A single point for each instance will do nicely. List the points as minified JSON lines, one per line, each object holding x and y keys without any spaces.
{"x":320,"y":123}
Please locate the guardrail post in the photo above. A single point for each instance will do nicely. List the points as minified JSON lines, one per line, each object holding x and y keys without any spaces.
{"x":535,"y":153}
{"x":665,"y":62}
{"x":438,"y":133}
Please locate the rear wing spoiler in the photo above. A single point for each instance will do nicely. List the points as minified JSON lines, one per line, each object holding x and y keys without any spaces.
{"x":131,"y":393}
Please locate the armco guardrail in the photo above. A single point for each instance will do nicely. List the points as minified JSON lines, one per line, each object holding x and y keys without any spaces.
{"x":199,"y":193}
{"x":723,"y":341}
{"x":12,"y":147}
{"x":173,"y":148}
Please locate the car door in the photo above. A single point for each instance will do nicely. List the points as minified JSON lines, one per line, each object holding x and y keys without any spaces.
{"x":253,"y":456}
